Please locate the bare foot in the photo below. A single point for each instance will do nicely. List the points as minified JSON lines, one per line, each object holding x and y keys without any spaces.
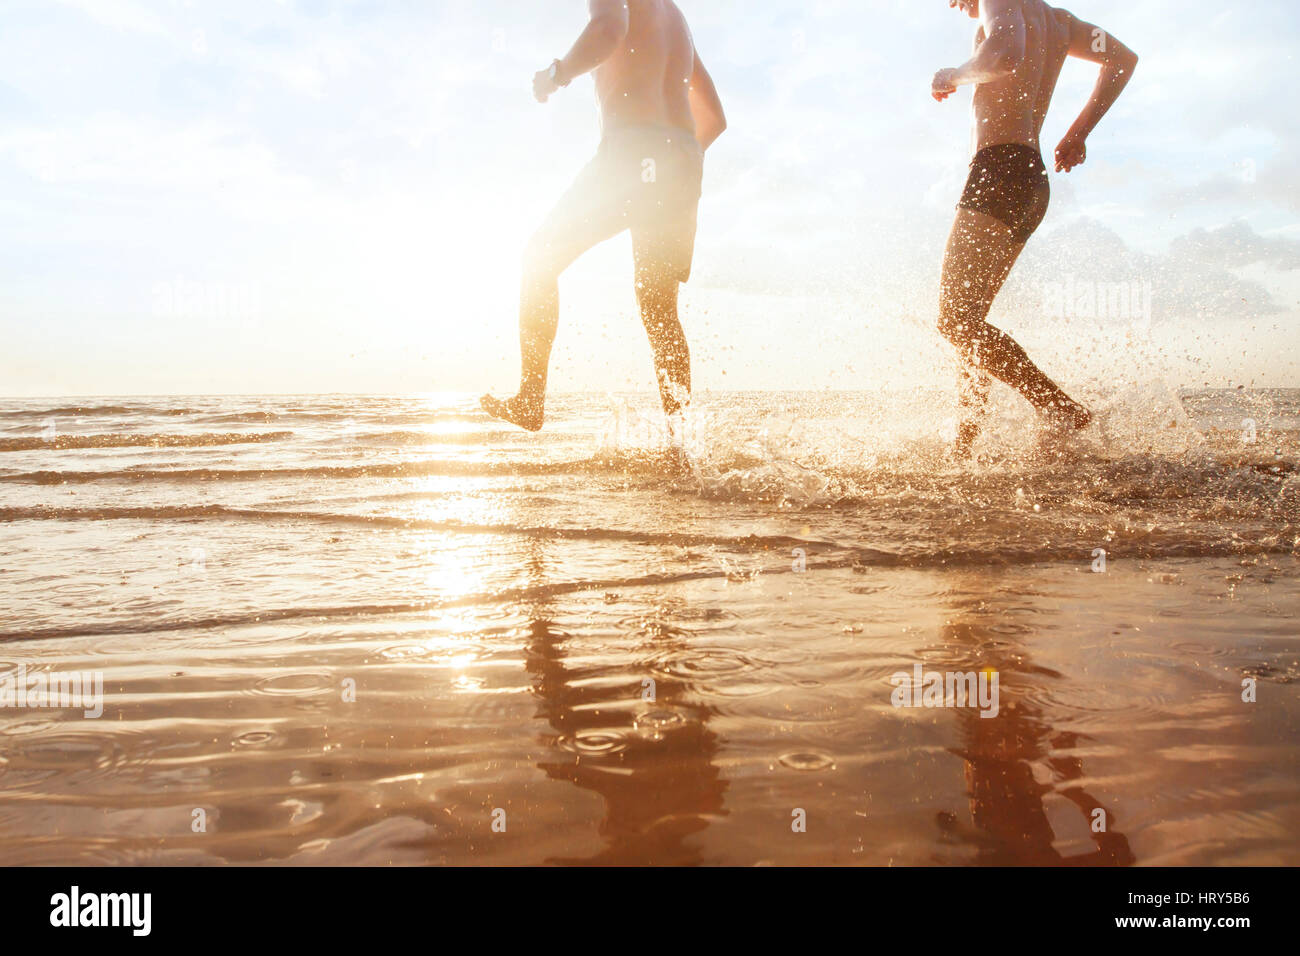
{"x":528,"y":415}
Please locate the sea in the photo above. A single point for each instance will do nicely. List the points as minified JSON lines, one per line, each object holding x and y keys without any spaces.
{"x":340,"y":629}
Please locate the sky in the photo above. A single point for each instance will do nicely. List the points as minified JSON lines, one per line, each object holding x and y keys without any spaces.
{"x":305,"y":196}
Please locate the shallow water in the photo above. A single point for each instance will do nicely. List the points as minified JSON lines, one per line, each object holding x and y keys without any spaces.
{"x":638,"y":666}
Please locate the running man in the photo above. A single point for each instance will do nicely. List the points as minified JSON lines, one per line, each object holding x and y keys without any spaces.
{"x":1020,"y":48}
{"x":659,"y":113}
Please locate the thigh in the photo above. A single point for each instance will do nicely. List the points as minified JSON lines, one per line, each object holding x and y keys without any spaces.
{"x":663,"y":237}
{"x":667,"y":214}
{"x":664,"y":254}
{"x":980,"y":254}
{"x":595,"y":208}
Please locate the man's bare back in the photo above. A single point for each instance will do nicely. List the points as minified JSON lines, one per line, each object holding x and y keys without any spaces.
{"x":647,"y":80}
{"x":647,"y":70}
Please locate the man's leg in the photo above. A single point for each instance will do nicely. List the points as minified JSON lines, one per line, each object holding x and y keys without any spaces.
{"x":973,"y":387}
{"x":588,"y":214}
{"x":980,"y":254}
{"x":539,"y":319}
{"x":656,"y":292}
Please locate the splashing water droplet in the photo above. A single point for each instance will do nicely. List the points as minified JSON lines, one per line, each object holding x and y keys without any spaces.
{"x":809,"y":762}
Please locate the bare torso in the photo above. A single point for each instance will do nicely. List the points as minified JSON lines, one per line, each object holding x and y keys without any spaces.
{"x":1012,"y":110}
{"x":646,"y":82}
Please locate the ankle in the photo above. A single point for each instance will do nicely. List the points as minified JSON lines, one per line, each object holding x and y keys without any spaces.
{"x":530,"y":398}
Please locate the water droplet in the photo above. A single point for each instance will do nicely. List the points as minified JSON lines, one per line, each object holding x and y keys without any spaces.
{"x":807,"y":761}
{"x":654,"y":723}
{"x":293,"y":685}
{"x":595,"y":743}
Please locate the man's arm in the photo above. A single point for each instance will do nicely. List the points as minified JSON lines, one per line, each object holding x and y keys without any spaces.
{"x":605,"y":31}
{"x":706,"y":106}
{"x":1095,"y":45}
{"x":1001,"y":53}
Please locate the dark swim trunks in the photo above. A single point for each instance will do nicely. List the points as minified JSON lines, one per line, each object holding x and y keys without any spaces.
{"x":1009,"y":183}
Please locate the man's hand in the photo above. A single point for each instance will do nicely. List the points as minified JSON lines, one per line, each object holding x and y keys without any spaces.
{"x":1117,"y":65}
{"x":944,"y":85}
{"x":543,"y":85}
{"x":605,"y":33}
{"x":1072,"y":152}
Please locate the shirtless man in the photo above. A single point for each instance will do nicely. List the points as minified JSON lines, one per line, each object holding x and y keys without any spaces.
{"x":659,"y":113}
{"x":1020,"y":48}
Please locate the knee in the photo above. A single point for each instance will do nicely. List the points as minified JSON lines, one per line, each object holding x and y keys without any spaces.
{"x":953,"y":326}
{"x":656,"y":294}
{"x":540,"y":264}
{"x":961,"y":318}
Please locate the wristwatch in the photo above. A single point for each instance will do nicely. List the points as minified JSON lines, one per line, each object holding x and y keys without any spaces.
{"x":554,"y":74}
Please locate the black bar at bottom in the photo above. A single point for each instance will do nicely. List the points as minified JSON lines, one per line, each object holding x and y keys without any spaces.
{"x":300,"y":906}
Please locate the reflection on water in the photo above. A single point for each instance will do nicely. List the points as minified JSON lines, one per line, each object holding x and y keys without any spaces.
{"x":637,"y":739}
{"x":652,"y":766}
{"x":1007,"y":799}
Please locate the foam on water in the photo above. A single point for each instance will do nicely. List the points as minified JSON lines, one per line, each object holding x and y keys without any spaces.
{"x":823,"y":449}
{"x":739,"y":484}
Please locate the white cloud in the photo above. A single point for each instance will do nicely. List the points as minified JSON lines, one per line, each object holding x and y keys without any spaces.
{"x":1235,"y":246}
{"x":125,"y":15}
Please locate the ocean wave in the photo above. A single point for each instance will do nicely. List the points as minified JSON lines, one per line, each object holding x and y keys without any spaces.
{"x":351,"y":417}
{"x":198,"y":512}
{"x":858,"y":559}
{"x":422,"y":469}
{"x":89,"y":411}
{"x":408,"y":438}
{"x":238,"y":418}
{"x":351,"y":414}
{"x":742,"y":477}
{"x":127,"y":440}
